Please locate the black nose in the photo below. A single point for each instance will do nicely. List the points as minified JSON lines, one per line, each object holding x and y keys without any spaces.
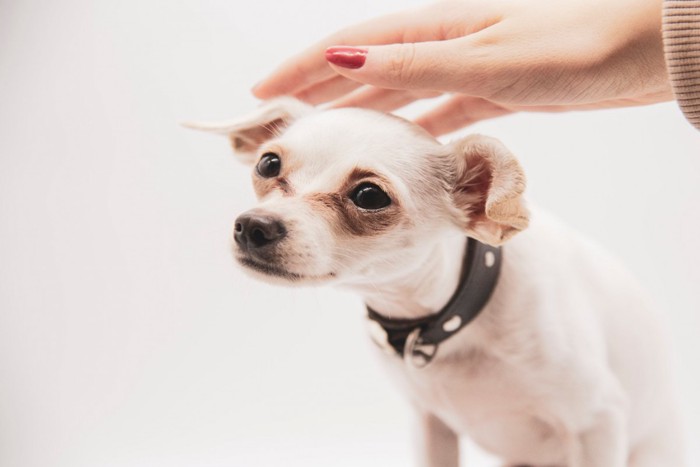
{"x":256,"y":230}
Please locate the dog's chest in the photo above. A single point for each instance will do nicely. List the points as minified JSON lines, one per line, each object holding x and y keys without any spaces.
{"x":482,"y":400}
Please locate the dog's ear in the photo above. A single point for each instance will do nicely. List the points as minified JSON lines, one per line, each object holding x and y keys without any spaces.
{"x":487,"y":188}
{"x":248,"y":133}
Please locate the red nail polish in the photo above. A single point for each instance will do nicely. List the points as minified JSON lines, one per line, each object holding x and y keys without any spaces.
{"x":347,"y":57}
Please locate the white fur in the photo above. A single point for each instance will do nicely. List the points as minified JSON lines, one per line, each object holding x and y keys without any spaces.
{"x":565,"y":366}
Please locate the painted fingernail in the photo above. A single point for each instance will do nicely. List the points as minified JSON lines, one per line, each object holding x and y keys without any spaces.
{"x":347,"y":57}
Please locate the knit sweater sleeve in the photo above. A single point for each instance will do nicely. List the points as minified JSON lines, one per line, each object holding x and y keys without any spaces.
{"x":681,"y":32}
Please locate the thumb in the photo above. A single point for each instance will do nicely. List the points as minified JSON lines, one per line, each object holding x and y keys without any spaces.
{"x":446,"y":66}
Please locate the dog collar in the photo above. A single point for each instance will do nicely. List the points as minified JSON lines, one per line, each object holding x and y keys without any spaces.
{"x":420,"y":338}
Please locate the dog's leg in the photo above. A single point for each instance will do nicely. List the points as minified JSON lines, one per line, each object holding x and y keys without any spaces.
{"x":603,"y":444}
{"x":438,"y":444}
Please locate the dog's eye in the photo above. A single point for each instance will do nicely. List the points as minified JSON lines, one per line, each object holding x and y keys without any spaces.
{"x":269,"y":165}
{"x":370,"y":196}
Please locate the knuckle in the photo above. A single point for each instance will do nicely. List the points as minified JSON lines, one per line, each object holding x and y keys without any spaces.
{"x":401,"y":66}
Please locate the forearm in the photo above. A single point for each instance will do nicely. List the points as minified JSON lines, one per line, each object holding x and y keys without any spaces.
{"x":681,"y":32}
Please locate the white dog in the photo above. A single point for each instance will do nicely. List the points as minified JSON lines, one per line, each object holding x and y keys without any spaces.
{"x":543,"y":351}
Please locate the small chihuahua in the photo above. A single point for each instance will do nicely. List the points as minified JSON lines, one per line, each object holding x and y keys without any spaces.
{"x":543,"y":351}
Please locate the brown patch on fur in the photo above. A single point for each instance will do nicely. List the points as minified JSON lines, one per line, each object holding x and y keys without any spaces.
{"x":284,"y":185}
{"x":348,"y":218}
{"x":342,"y":212}
{"x":264,"y":186}
{"x":358,"y":174}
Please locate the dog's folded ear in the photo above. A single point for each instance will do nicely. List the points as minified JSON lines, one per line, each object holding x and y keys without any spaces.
{"x":249,"y":132}
{"x":487,"y":189}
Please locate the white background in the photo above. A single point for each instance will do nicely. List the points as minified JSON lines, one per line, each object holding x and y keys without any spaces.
{"x":127,"y":335}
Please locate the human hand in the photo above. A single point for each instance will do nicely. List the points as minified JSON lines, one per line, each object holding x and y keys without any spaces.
{"x":495,"y":56}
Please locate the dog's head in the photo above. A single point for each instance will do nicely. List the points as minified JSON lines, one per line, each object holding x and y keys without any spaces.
{"x":352,"y":195}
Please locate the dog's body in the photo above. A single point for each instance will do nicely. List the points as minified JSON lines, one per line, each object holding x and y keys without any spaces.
{"x":564,"y":366}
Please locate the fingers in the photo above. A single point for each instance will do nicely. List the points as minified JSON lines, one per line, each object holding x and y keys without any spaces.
{"x":436,"y":22}
{"x":385,"y":100}
{"x":462,"y":111}
{"x":296,"y":73}
{"x":449,"y":66}
{"x":458,"y":112}
{"x":327,"y":90}
{"x":310,"y":67}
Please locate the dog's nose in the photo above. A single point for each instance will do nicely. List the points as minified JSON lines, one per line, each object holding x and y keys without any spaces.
{"x":256,"y":230}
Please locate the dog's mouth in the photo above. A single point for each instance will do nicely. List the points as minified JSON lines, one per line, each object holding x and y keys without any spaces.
{"x":271,"y":270}
{"x":268,"y":269}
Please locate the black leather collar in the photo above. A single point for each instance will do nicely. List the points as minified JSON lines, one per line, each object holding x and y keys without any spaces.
{"x":420,"y":338}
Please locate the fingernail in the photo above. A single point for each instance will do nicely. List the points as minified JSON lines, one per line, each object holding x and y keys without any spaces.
{"x":347,"y":57}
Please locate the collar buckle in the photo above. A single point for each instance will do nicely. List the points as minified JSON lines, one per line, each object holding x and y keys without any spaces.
{"x":418,"y":353}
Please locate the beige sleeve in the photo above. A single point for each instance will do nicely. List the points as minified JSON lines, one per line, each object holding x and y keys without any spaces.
{"x":681,"y":31}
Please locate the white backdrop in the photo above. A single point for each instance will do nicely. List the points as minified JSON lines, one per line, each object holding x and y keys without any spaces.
{"x":127,"y":335}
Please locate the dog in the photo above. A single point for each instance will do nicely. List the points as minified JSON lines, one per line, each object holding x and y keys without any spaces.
{"x":538,"y":346}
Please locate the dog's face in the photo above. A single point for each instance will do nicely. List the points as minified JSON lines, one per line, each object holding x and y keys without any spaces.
{"x":355,"y":196}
